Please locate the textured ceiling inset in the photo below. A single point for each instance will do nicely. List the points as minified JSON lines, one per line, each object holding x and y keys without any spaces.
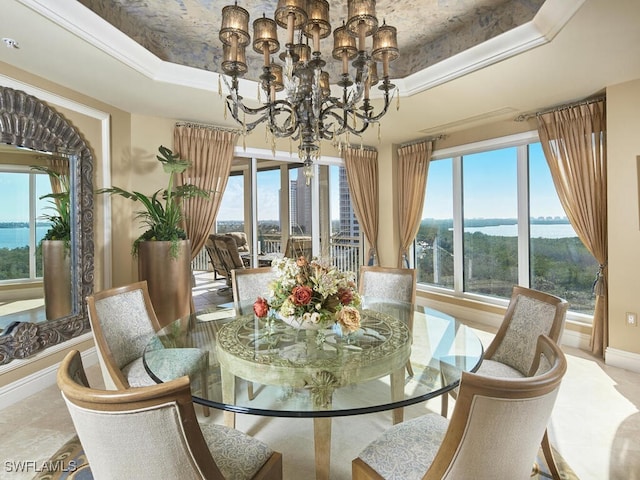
{"x":185,"y":32}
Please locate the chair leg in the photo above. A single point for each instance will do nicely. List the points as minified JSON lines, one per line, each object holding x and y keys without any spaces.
{"x":250,"y":392}
{"x":409,"y":368}
{"x":444,"y":407}
{"x":205,"y":389}
{"x":548,"y":457}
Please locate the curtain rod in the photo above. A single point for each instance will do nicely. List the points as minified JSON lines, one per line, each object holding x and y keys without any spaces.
{"x":442,"y":136}
{"x":208,"y":127}
{"x":361,"y":147}
{"x":527,"y":116}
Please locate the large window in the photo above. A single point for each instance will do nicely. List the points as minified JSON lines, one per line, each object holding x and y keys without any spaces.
{"x":492,"y":219}
{"x":434,"y":241}
{"x":230,"y":216}
{"x":21,"y":227}
{"x":321,"y":210}
{"x":489,"y":207}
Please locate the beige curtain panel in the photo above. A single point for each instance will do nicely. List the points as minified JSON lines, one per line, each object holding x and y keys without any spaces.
{"x":574,"y":143}
{"x":362,"y":175}
{"x":210,"y":151}
{"x":411,"y":185}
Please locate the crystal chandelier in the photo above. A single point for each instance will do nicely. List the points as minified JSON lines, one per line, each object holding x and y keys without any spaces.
{"x":306,"y":111}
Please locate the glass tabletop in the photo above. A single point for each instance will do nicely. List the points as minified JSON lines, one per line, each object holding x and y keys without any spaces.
{"x":318,"y":373}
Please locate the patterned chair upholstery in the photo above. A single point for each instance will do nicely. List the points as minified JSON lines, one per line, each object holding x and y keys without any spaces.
{"x":511,"y":353}
{"x":249,"y":284}
{"x":494,"y":432}
{"x":395,"y":284}
{"x":124,"y":323}
{"x":398,"y":284}
{"x":153,"y":432}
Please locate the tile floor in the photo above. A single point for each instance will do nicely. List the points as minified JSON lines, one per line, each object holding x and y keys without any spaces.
{"x":595,"y":424}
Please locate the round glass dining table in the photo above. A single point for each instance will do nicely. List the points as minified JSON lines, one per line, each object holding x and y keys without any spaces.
{"x":267,"y":367}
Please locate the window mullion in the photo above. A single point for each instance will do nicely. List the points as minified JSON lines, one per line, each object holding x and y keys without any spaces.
{"x":458,"y":257}
{"x":523,"y":215}
{"x":32,"y":225}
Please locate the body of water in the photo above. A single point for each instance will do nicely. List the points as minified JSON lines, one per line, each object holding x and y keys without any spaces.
{"x":19,"y":237}
{"x":545,"y":230}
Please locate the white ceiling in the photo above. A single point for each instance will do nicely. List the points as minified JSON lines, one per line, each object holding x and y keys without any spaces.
{"x":571,"y":50}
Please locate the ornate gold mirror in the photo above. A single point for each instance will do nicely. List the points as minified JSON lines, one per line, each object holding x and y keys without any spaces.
{"x":27,"y":122}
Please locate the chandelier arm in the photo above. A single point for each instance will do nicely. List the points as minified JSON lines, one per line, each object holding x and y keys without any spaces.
{"x":344,"y":125}
{"x":267,"y":113}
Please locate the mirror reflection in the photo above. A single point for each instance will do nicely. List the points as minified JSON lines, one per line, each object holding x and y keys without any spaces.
{"x":34,"y":224}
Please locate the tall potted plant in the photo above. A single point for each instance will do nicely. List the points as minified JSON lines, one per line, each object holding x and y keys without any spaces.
{"x":163,"y":250}
{"x":55,"y":247}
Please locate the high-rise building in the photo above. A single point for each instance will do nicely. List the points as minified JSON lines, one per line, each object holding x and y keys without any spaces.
{"x":300,"y":207}
{"x":349,"y":226}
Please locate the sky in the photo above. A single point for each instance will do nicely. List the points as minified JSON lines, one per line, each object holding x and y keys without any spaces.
{"x":490,"y":186}
{"x":14,"y":196}
{"x":483,"y":173}
{"x":489,"y":190}
{"x":231,"y":207}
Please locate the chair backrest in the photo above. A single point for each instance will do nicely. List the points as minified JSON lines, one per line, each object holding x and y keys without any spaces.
{"x":123,"y":322}
{"x":241,"y":241}
{"x":228,"y":251}
{"x":498,"y":423}
{"x":531,"y":313}
{"x":299,"y":247}
{"x":398,"y":284}
{"x":249,"y":284}
{"x":146,"y":432}
{"x":217,"y":263}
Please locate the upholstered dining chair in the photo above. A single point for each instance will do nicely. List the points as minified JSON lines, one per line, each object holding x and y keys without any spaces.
{"x":395,"y":284}
{"x":153,"y":432}
{"x":248,"y":284}
{"x":123,"y":322}
{"x":494,"y":431}
{"x":510,"y":354}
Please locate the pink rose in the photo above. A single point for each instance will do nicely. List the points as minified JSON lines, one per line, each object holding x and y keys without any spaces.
{"x":261,"y":307}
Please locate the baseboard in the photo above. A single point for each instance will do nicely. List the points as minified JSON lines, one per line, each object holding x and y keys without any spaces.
{"x":31,"y":384}
{"x":622,"y":359}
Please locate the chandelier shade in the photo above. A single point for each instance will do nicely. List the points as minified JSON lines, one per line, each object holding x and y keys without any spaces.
{"x":300,"y":103}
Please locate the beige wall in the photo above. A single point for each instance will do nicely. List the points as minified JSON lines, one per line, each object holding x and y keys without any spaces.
{"x":623,"y":125}
{"x":135,"y":168}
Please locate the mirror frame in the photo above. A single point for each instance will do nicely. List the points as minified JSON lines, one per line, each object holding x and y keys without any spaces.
{"x":26,"y":121}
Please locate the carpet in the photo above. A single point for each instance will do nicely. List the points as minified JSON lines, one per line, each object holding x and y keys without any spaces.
{"x":70,"y":463}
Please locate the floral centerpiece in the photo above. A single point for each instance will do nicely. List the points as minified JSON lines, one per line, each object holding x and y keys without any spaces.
{"x":311,"y":295}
